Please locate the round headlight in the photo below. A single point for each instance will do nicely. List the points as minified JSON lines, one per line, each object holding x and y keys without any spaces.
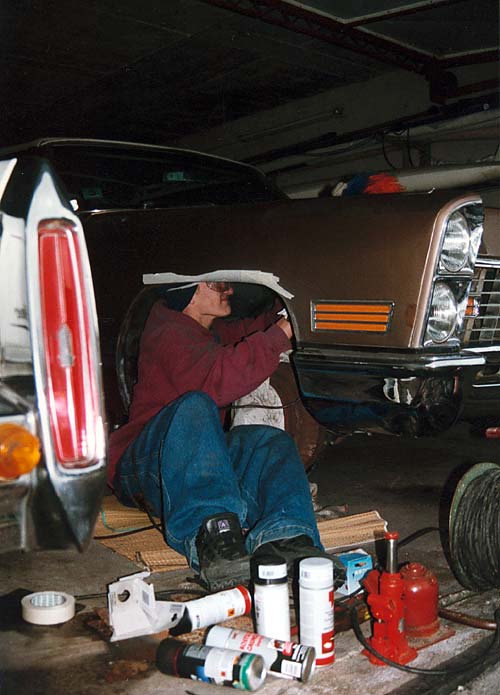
{"x":443,"y":314}
{"x":455,"y":253}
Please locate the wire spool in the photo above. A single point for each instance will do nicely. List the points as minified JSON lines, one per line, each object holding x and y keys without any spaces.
{"x":474,"y":528}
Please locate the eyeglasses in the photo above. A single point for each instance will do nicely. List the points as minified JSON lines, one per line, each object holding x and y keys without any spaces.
{"x":220,"y":287}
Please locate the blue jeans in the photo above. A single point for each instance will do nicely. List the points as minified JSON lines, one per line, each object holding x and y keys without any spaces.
{"x":188,"y":469}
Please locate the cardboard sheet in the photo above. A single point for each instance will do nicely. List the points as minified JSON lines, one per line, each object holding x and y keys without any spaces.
{"x":149,"y":550}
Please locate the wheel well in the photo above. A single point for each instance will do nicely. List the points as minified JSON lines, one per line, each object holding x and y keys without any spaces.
{"x":248,"y":300}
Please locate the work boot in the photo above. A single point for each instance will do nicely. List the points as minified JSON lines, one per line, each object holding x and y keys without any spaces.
{"x":293,"y":550}
{"x":222,"y":554}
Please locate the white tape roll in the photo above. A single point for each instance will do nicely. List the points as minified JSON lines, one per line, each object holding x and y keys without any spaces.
{"x":48,"y":607}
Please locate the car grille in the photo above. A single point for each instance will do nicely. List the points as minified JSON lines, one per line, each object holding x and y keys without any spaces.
{"x":483,"y":330}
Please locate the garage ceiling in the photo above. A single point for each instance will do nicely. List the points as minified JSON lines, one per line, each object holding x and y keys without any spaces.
{"x":163,"y":71}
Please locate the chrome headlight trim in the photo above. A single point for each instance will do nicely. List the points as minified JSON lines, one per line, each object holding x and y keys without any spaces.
{"x":461,"y":240}
{"x":443,"y":314}
{"x":455,"y":251}
{"x":471,"y":207}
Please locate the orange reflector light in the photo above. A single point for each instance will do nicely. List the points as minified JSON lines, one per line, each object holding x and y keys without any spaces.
{"x":19,"y":451}
{"x":374,"y":317}
{"x":472,"y":309}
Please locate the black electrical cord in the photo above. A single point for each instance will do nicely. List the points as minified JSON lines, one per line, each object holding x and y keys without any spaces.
{"x":391,"y":165}
{"x":494,"y":644}
{"x":408,"y":148}
{"x":413,"y":536}
{"x":120,"y":534}
{"x":475,"y":533}
{"x":141,"y":500}
{"x":165,"y":593}
{"x":141,"y":505}
{"x":283,"y":406}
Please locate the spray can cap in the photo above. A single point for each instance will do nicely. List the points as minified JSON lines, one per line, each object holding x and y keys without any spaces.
{"x":270,"y":571}
{"x":316,"y":573}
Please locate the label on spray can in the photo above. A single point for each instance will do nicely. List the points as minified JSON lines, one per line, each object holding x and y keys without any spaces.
{"x":271,"y":601}
{"x":211,"y":664}
{"x":316,"y":607}
{"x":213,"y":609}
{"x":282,"y":658}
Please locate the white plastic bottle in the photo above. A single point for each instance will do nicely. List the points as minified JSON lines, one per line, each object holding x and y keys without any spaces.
{"x":272,"y":611}
{"x":316,"y":607}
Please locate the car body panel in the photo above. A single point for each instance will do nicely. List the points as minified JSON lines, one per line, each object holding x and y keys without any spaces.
{"x":377,"y":255}
{"x":285,"y":238}
{"x":334,"y":374}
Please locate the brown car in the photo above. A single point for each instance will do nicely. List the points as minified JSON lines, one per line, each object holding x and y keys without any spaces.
{"x":394,"y":299}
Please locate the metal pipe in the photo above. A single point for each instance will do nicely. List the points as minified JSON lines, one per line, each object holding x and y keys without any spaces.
{"x":391,"y":560}
{"x":464,"y":619}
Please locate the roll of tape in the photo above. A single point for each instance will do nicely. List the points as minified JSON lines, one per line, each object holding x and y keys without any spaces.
{"x":48,"y":607}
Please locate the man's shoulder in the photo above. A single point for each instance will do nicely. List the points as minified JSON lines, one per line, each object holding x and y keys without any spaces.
{"x":167,"y":321}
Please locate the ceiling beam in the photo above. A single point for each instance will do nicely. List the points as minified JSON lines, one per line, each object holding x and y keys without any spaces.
{"x":402,"y":11}
{"x":325,"y":28}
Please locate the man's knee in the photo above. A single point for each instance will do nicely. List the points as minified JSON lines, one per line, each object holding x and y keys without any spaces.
{"x":275,"y":441}
{"x":195,"y":403}
{"x":192,"y":410}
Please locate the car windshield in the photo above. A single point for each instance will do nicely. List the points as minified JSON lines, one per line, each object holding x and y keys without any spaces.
{"x":107,"y":178}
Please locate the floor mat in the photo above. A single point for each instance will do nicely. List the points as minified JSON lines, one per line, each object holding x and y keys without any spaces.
{"x":119,"y":528}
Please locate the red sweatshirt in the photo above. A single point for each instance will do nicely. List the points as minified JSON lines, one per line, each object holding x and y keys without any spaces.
{"x":178,"y":355}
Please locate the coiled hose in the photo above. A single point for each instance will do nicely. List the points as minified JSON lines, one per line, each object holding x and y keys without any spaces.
{"x":475,"y":528}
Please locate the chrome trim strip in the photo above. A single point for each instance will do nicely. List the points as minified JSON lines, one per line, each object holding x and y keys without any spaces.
{"x":459,"y":362}
{"x":8,"y":394}
{"x":489,"y":348}
{"x":5,"y":172}
{"x":483,"y":262}
{"x":392,"y":361}
{"x":485,"y":386}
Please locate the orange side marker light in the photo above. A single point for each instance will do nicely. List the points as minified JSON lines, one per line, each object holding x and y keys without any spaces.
{"x":19,"y":451}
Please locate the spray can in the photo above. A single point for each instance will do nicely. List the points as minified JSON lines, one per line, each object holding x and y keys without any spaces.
{"x":283,"y":659}
{"x":272,"y":612}
{"x":316,"y":607}
{"x":212,"y":609}
{"x":211,"y":664}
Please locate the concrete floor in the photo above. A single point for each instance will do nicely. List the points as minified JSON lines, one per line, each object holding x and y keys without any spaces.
{"x":404,"y":481}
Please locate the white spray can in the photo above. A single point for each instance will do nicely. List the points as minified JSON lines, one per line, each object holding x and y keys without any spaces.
{"x":272,"y":611}
{"x":282,"y":659}
{"x":316,"y":607}
{"x":213,"y":609}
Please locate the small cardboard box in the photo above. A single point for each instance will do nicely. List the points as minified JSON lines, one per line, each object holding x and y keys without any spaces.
{"x":357,"y":563}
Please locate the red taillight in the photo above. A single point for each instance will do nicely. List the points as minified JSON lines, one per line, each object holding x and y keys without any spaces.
{"x":72,"y":386}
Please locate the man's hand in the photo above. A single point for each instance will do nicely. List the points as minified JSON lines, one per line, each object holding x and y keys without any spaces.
{"x":286,"y":327}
